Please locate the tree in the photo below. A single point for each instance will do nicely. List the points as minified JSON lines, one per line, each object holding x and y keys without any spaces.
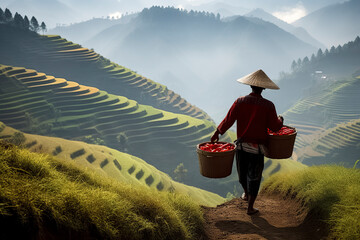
{"x":34,"y":25}
{"x":122,"y":140}
{"x":319,"y":54}
{"x":326,"y":53}
{"x":312,"y":59}
{"x":293,"y":65}
{"x":43,"y":27}
{"x":339,"y":49}
{"x":2,"y":15}
{"x":218,"y":16}
{"x":8,"y":15}
{"x":18,"y":20}
{"x":305,"y":60}
{"x":357,"y":40}
{"x":299,"y":62}
{"x":332,"y":50}
{"x":180,"y":173}
{"x":26,"y":23}
{"x":18,"y":138}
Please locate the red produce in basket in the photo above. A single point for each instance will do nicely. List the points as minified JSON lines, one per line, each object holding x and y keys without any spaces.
{"x":217,"y":147}
{"x":283,"y":131}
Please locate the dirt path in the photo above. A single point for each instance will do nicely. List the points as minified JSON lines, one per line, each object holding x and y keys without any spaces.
{"x":277,"y":219}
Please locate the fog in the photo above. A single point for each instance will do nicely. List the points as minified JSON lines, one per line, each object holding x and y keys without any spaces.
{"x":199,"y":58}
{"x":59,"y":12}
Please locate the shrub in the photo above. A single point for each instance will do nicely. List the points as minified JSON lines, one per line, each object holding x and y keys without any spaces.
{"x":149,"y":180}
{"x":29,"y":145}
{"x":77,"y":153}
{"x":57,"y":150}
{"x":117,"y":164}
{"x":140,"y":174}
{"x":18,"y":138}
{"x":90,"y":158}
{"x":104,"y":163}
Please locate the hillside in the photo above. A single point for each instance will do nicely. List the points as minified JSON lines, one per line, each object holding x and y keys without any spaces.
{"x":317,"y":72}
{"x":334,"y":24}
{"x":197,"y":54}
{"x":43,"y":197}
{"x":39,"y":103}
{"x":109,"y":162}
{"x":57,"y":56}
{"x":322,"y":103}
{"x":328,"y":123}
{"x":83,"y":31}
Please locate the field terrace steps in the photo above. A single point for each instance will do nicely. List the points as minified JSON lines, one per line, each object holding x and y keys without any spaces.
{"x":326,"y":107}
{"x":73,"y":111}
{"x":58,"y":57}
{"x":343,"y":135}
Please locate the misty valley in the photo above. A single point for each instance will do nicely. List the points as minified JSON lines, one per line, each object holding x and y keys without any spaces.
{"x":110,"y":110}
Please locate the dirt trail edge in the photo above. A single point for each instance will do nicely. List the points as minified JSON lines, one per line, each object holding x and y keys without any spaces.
{"x":277,"y":219}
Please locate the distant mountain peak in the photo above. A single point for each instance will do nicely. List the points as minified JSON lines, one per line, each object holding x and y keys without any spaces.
{"x":300,"y":33}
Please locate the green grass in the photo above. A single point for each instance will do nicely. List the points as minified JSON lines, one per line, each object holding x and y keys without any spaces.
{"x":50,"y":145}
{"x":45,"y":195}
{"x":332,"y":193}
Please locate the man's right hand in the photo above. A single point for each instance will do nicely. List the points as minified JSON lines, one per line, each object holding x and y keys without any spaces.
{"x":281,"y":118}
{"x":215,"y":136}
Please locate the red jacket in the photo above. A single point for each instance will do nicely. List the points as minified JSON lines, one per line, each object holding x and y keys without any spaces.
{"x":254,"y":115}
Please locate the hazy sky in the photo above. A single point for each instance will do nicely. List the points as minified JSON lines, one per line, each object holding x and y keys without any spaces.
{"x":291,"y":14}
{"x":58,"y":12}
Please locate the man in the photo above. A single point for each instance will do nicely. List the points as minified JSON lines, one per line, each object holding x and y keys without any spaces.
{"x":254,"y":115}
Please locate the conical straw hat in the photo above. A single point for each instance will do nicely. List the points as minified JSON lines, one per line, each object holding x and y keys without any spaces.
{"x":258,"y":79}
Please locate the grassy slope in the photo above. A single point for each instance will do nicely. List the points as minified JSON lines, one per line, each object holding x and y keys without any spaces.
{"x":106,"y":161}
{"x":332,"y":193}
{"x":46,"y":198}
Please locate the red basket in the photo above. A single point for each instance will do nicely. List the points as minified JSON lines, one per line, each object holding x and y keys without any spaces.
{"x":215,"y":164}
{"x":280,"y":146}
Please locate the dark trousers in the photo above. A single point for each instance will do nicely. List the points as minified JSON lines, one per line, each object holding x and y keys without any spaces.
{"x":249,"y":167}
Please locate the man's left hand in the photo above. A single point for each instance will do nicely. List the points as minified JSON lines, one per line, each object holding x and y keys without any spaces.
{"x":215,"y":136}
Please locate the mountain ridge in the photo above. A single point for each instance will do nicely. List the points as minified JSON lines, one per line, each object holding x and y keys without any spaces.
{"x":202,"y":54}
{"x":299,"y":32}
{"x":334,"y":24}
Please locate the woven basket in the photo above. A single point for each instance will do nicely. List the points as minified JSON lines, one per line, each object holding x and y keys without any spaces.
{"x":280,"y":147}
{"x":215,"y":164}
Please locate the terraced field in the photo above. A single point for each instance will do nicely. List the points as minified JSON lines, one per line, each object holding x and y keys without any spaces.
{"x":121,"y":166}
{"x":338,"y":137}
{"x":327,"y":122}
{"x":39,"y":103}
{"x":59,"y":57}
{"x":339,"y":102}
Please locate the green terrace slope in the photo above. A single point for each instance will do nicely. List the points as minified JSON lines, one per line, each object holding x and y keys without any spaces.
{"x":106,"y":161}
{"x":43,"y":197}
{"x":59,"y":57}
{"x":340,"y":144}
{"x":38,"y":103}
{"x":327,"y":120}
